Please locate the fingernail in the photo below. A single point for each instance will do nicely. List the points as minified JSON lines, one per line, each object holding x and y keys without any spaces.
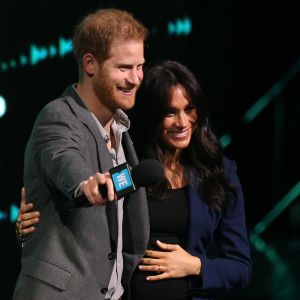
{"x":140,"y":267}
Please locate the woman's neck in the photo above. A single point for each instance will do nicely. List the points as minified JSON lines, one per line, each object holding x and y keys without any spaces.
{"x":174,"y":170}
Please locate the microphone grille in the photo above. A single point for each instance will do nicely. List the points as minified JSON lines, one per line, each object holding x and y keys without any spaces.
{"x":148,"y":172}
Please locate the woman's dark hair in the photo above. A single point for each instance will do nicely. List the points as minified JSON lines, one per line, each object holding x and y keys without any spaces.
{"x":203,"y":153}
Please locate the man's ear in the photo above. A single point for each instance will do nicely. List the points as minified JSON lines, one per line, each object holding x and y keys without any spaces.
{"x":89,"y":64}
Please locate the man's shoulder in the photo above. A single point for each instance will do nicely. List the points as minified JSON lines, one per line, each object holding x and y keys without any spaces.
{"x":63,"y":102}
{"x":59,"y":106}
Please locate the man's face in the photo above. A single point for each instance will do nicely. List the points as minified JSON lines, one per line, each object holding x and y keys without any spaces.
{"x":118,"y":78}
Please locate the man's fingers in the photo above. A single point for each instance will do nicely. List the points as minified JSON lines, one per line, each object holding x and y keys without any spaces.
{"x":87,"y":191}
{"x":109,"y":187}
{"x":98,"y":188}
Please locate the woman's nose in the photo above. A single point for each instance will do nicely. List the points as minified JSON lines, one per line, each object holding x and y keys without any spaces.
{"x":182,"y":120}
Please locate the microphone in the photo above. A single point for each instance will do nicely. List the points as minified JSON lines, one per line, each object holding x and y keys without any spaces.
{"x":127,"y":179}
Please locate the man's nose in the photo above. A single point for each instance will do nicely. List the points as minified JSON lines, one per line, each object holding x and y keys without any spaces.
{"x":135,"y":77}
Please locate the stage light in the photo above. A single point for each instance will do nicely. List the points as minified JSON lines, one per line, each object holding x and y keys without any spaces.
{"x":2,"y":106}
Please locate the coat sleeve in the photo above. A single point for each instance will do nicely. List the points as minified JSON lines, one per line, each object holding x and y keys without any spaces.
{"x":57,"y":148}
{"x":232,"y":266}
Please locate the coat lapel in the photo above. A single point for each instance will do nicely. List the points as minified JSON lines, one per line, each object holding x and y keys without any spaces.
{"x":76,"y":104}
{"x":104,"y":157}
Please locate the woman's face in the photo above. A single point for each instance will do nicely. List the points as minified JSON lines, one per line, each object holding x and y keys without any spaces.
{"x":179,"y":121}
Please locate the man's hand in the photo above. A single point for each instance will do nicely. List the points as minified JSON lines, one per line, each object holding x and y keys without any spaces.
{"x":174,"y":262}
{"x":90,"y":188}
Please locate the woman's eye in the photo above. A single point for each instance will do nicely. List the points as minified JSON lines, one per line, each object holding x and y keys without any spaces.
{"x":190,"y":109}
{"x":169,"y":113}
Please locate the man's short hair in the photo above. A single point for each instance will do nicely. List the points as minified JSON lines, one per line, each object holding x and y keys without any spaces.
{"x":96,"y":32}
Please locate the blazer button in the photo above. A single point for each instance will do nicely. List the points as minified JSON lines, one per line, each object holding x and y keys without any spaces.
{"x":111,"y":255}
{"x":104,"y":290}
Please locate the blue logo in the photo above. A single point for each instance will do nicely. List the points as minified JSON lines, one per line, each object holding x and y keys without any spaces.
{"x":121,"y":180}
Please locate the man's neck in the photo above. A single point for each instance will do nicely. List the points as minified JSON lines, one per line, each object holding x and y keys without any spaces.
{"x":102,"y":113}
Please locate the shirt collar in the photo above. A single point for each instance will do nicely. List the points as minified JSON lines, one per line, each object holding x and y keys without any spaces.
{"x":121,"y":119}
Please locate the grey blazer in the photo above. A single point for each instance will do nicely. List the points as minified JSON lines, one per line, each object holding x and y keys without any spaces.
{"x":70,"y":255}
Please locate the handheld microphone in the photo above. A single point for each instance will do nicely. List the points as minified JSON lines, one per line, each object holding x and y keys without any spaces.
{"x":126,"y":180}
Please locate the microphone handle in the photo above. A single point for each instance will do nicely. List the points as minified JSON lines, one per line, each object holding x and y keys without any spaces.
{"x":82,"y":201}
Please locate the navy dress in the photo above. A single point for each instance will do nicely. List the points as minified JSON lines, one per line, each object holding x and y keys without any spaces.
{"x":169,"y":223}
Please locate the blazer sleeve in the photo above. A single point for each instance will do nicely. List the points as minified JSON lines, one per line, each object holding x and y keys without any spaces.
{"x":232,"y":266}
{"x":58,"y":144}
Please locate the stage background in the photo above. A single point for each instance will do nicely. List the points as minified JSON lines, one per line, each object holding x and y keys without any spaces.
{"x":246,"y":56}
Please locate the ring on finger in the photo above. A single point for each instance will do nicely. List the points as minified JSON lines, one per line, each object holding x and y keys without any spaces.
{"x":158,"y":269}
{"x":19,"y":223}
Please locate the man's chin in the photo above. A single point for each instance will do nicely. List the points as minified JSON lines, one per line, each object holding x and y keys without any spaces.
{"x":127,"y":105}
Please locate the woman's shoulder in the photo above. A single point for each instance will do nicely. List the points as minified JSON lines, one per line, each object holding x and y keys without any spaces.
{"x":229,"y":166}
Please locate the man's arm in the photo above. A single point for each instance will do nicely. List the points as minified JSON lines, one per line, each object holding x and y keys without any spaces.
{"x":59,"y":147}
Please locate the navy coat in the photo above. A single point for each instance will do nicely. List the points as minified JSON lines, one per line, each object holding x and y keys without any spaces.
{"x":231,"y":266}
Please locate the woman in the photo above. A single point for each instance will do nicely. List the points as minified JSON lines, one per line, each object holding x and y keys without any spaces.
{"x":200,"y":201}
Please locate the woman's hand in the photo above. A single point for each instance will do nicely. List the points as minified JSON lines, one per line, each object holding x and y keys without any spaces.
{"x":173,"y":262}
{"x":26,"y":218}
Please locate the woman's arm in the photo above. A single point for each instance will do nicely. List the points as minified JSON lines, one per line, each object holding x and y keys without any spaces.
{"x":26,"y":218}
{"x":231,"y":266}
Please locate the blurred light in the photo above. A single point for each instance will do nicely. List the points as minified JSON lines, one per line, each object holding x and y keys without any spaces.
{"x":64,"y":46}
{"x":180,"y":27}
{"x":225,"y":140}
{"x":270,"y":95}
{"x":262,"y":102}
{"x":278,"y":209}
{"x":14,"y":210}
{"x":23,"y":60}
{"x":2,"y":106}
{"x":3,"y":215}
{"x":37,"y":54}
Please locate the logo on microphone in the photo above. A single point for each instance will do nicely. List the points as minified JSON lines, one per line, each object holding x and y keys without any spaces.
{"x":121,"y":177}
{"x":122,"y":180}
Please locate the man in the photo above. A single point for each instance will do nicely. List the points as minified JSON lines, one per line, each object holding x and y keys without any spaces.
{"x":82,"y":251}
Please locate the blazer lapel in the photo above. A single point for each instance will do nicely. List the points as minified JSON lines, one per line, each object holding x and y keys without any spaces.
{"x":104,"y":157}
{"x":84,"y":115}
